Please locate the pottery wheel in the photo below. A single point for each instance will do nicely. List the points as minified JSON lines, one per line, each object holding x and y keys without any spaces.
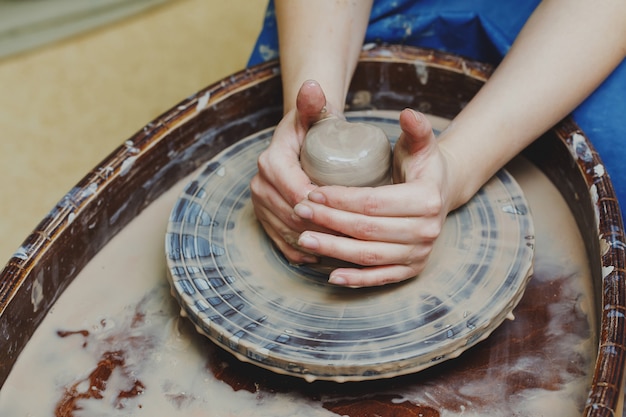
{"x":240,"y":291}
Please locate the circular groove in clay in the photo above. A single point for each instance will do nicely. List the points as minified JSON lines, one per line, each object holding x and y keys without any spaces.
{"x":241,"y":293}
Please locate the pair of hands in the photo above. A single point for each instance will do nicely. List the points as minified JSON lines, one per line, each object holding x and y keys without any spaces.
{"x":390,"y":230}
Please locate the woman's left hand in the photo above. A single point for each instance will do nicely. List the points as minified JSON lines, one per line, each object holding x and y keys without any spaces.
{"x":389,"y":230}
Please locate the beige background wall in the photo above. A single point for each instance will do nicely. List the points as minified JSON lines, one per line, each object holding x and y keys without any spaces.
{"x":66,"y":106}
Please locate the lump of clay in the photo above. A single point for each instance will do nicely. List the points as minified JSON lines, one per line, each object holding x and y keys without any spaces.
{"x":337,"y":152}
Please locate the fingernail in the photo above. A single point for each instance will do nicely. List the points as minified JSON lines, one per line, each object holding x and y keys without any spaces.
{"x":307,"y":241}
{"x":310,"y":82}
{"x":337,"y":280}
{"x":416,"y":115}
{"x":316,"y":197}
{"x":303,"y":211}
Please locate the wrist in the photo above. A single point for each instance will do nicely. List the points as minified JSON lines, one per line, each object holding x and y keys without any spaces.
{"x":464,"y":177}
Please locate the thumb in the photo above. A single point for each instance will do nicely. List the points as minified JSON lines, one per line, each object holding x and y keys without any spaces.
{"x":310,"y":103}
{"x":417,"y":132}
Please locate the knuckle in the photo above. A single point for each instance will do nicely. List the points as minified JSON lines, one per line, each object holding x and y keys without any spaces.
{"x":255,"y":185}
{"x":418,"y":255}
{"x":431,"y":231}
{"x":368,"y":258}
{"x":433,"y":204}
{"x":389,"y":279}
{"x":365,"y":229}
{"x":425,"y":234}
{"x":371,"y":205}
{"x":263,"y":161}
{"x":417,"y":269}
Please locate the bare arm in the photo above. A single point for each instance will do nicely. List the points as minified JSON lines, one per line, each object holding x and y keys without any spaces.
{"x":565,"y":50}
{"x":320,"y":40}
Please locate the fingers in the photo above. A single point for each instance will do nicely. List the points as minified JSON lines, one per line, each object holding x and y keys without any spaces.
{"x":280,"y":170}
{"x":310,"y":103}
{"x":416,"y":145}
{"x":390,"y":249}
{"x":398,"y":200}
{"x":402,"y":229}
{"x":275,"y":215}
{"x":375,"y":276}
{"x":417,"y":129}
{"x":279,"y":165}
{"x":383,"y":262}
{"x":361,"y":252}
{"x":279,"y":236}
{"x":281,"y":183}
{"x":390,"y":230}
{"x":268,"y":201}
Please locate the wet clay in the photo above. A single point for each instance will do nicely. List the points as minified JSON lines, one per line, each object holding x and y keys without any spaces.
{"x":337,"y":152}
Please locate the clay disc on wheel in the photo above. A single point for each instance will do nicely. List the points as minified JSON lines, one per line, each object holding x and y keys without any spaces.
{"x":241,"y":292}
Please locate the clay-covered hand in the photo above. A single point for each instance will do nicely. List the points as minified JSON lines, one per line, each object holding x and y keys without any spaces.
{"x":281,"y":183}
{"x":389,"y":230}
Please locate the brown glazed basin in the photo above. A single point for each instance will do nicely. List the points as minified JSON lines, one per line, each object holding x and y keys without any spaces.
{"x":184,"y":138}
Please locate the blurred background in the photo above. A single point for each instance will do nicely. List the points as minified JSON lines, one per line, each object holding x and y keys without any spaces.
{"x":78,"y":78}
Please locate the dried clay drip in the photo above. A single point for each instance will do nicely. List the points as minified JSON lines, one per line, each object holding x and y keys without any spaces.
{"x":336,"y":152}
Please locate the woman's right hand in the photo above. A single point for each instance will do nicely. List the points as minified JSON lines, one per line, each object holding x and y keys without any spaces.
{"x":281,"y":183}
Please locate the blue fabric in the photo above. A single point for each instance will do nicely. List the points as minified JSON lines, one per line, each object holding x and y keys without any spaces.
{"x":484,"y":30}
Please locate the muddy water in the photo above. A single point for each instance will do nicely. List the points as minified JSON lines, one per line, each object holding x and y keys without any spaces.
{"x":114,"y":345}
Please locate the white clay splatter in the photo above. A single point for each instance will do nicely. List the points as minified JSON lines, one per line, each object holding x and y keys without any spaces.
{"x":598,"y":170}
{"x":203,"y":101}
{"x":604,"y":246}
{"x":593,"y":191}
{"x":580,"y":149}
{"x":106,"y":171}
{"x":369,"y":46}
{"x":21,"y":253}
{"x":127,"y":165}
{"x":131,"y":147}
{"x":422,"y":72}
{"x":607,"y":270}
{"x":36,"y":292}
{"x":267,"y":52}
{"x":89,"y":191}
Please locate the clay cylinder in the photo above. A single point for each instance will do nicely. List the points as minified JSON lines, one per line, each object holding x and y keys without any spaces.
{"x":337,"y":152}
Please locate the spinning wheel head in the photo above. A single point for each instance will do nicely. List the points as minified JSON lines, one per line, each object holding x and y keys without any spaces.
{"x":240,"y":292}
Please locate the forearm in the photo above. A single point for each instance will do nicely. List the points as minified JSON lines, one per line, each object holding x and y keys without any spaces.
{"x":320,"y":40}
{"x":563,"y":53}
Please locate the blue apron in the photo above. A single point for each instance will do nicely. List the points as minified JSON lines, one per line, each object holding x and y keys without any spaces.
{"x":484,"y":30}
